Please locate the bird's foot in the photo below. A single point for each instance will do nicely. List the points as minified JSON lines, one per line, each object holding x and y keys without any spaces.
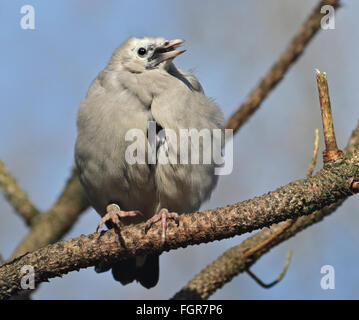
{"x":114,"y":214}
{"x":162,"y":215}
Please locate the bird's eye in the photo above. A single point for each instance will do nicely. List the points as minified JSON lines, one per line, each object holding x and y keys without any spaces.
{"x":141,"y":51}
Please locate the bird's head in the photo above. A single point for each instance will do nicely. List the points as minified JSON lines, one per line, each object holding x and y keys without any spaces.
{"x":139,"y":55}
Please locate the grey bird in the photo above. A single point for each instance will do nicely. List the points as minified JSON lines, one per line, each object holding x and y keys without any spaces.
{"x":141,"y":84}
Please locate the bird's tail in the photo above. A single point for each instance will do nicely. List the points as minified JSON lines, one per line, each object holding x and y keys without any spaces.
{"x":145,"y":270}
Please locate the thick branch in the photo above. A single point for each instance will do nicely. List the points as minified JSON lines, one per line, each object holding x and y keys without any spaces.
{"x":302,"y":197}
{"x":277,"y":71}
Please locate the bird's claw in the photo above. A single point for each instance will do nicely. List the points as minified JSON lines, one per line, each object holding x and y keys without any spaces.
{"x":114,"y":214}
{"x":162,"y":215}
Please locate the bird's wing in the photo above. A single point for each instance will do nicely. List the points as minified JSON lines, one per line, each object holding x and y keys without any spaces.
{"x":105,"y":117}
{"x":183,"y":187}
{"x":187,"y":77}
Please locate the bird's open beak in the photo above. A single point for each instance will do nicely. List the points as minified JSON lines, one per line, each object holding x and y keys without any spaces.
{"x":169,"y":48}
{"x":167,"y":51}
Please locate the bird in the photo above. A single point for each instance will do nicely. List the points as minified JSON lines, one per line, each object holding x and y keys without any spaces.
{"x":142,"y":85}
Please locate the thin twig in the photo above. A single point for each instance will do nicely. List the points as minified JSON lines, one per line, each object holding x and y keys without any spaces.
{"x":315,"y":154}
{"x":278,"y":279}
{"x":16,"y":197}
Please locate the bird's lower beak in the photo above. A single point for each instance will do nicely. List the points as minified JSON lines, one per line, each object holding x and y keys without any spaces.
{"x":167,"y":51}
{"x":170,"y":46}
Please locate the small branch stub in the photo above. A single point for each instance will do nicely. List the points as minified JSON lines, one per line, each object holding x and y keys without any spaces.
{"x":331,"y":153}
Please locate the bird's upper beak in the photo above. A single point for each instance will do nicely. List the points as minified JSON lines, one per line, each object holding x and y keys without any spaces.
{"x":166,"y":51}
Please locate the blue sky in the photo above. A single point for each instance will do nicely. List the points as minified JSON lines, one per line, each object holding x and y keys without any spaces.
{"x":230,"y":44}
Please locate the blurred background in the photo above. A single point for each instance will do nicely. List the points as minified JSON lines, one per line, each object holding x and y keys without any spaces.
{"x":45,"y":74}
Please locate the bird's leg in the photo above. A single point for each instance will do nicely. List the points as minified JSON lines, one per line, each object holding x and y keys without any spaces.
{"x":162,"y":215}
{"x":114,"y":213}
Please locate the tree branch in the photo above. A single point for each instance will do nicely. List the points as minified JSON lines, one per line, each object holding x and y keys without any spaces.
{"x":330,"y":185}
{"x":239,"y":258}
{"x":16,"y":197}
{"x":315,"y":154}
{"x":278,"y":279}
{"x":331,"y":152}
{"x":53,"y":224}
{"x":277,"y":71}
